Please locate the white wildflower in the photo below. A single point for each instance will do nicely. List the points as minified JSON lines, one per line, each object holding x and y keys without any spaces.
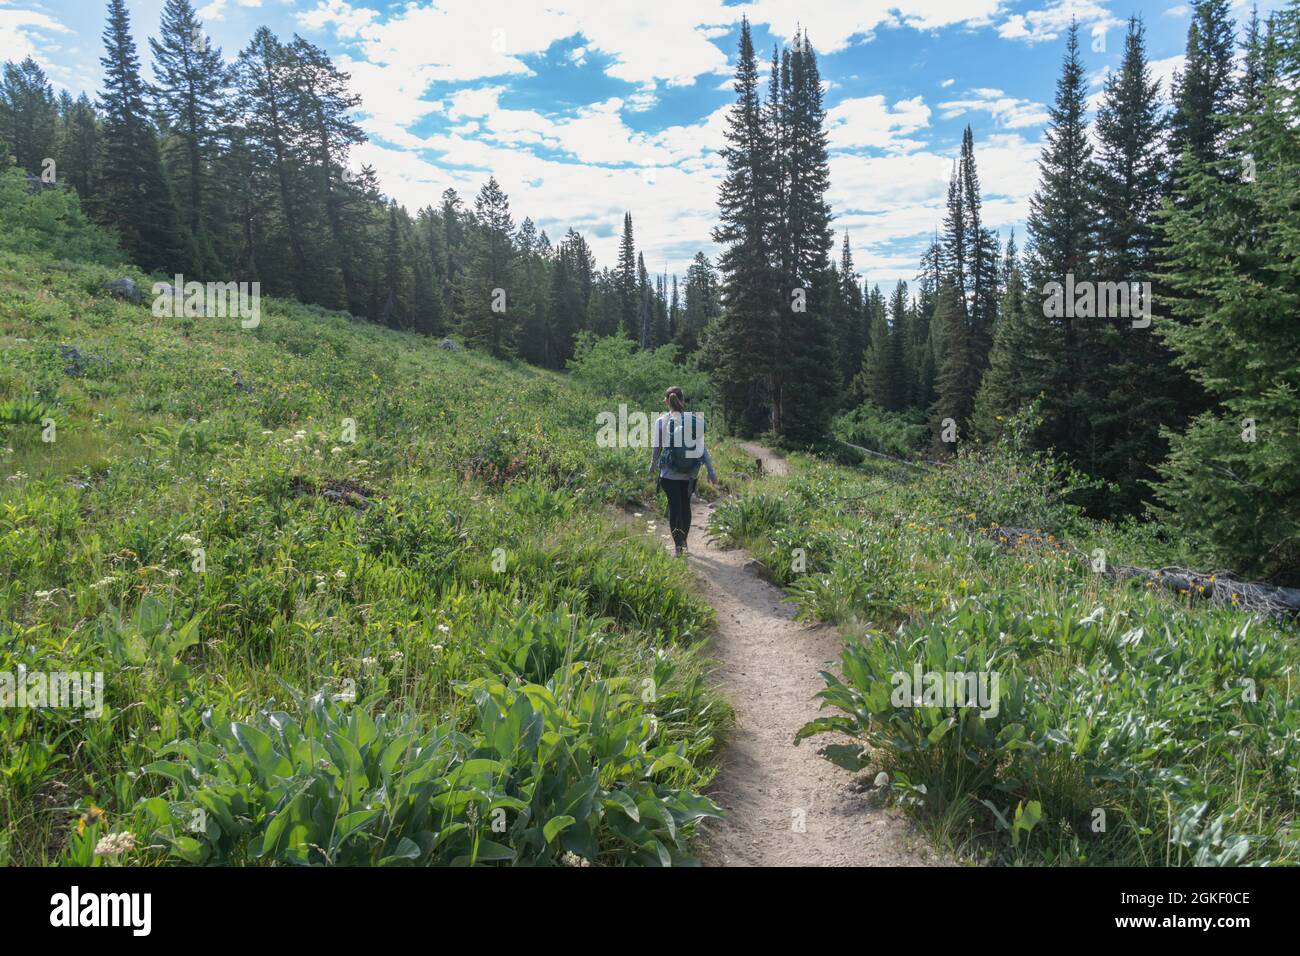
{"x":115,"y":843}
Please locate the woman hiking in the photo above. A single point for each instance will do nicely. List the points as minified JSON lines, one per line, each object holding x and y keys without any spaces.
{"x":677,"y":450}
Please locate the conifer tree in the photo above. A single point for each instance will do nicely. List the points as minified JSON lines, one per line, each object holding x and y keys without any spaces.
{"x":1232,"y":480}
{"x":1135,"y":388}
{"x":807,"y":373}
{"x":1062,"y":229}
{"x":190,"y":93}
{"x":746,"y":344}
{"x":490,"y":314}
{"x":265,"y":101}
{"x":1014,"y":376}
{"x":851,"y":328}
{"x":134,"y":194}
{"x":701,"y":305}
{"x":395,"y":313}
{"x":958,"y":377}
{"x":79,"y":150}
{"x":1204,"y":88}
{"x":323,"y":107}
{"x":29,"y":117}
{"x":628,"y":283}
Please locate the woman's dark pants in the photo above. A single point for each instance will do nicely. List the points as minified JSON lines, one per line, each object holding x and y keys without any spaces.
{"x":678,"y":492}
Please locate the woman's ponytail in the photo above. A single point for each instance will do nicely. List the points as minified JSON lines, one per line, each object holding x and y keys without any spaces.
{"x":676,"y":400}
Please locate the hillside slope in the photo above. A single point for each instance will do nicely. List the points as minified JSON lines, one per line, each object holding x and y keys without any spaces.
{"x":364,"y":585}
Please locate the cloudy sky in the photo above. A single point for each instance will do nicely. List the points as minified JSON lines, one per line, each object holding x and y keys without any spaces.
{"x":586,"y":108}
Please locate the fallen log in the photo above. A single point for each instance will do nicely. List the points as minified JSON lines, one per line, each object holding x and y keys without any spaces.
{"x":1216,"y":587}
{"x":922,"y":463}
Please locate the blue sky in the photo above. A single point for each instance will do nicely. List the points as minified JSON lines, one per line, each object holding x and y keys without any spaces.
{"x":586,"y":108}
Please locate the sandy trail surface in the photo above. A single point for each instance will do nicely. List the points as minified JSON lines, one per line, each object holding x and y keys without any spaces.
{"x":786,"y":805}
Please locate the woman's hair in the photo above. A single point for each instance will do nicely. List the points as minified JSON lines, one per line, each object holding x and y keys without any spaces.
{"x":676,"y":400}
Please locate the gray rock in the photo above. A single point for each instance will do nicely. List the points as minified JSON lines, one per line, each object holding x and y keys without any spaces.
{"x":451,"y":345}
{"x":124,"y":288}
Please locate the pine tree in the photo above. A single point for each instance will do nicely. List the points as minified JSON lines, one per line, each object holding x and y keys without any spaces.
{"x":628,"y":285}
{"x":958,"y":377}
{"x":1232,"y":480}
{"x":135,"y":197}
{"x":490,"y":317}
{"x":1062,"y":228}
{"x":1204,"y":89}
{"x":266,"y":103}
{"x":29,"y":118}
{"x":190,"y":94}
{"x":742,"y":361}
{"x":79,"y":150}
{"x":806,"y":381}
{"x":1014,"y":376}
{"x":1135,"y":390}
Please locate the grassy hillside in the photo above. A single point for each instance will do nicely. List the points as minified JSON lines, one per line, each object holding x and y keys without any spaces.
{"x":429,"y":644}
{"x":1132,"y":725}
{"x":434,"y":643}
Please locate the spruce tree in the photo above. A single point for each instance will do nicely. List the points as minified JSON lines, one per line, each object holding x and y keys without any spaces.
{"x":79,"y":151}
{"x":1014,"y":376}
{"x":1232,"y":480}
{"x":1204,"y":88}
{"x":742,"y":360}
{"x":135,"y":197}
{"x":267,"y":106}
{"x":628,"y":284}
{"x":1135,"y":388}
{"x":701,"y":305}
{"x":491,"y":318}
{"x":29,"y":117}
{"x":982,"y":254}
{"x":877,"y":381}
{"x":806,"y":380}
{"x":323,"y":105}
{"x":851,"y":330}
{"x":395,"y":314}
{"x":1062,"y":228}
{"x":190,"y":93}
{"x":958,"y":377}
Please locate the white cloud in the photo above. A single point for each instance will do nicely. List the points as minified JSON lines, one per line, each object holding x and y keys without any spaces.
{"x":1051,"y":22}
{"x":947,"y":83}
{"x":216,"y":10}
{"x":1179,"y":11}
{"x":1007,"y":111}
{"x":348,"y":21}
{"x":460,"y":40}
{"x":832,"y":26}
{"x":868,"y":121}
{"x":18,"y":29}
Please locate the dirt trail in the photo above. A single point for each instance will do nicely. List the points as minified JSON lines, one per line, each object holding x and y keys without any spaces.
{"x":787,"y":805}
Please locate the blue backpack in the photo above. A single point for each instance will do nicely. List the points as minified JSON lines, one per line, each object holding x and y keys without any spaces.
{"x":680,"y":458}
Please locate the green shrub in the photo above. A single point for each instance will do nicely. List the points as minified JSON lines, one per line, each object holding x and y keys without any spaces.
{"x":49,"y":222}
{"x":614,"y":368}
{"x":540,"y":772}
{"x":1174,"y":732}
{"x":901,"y":434}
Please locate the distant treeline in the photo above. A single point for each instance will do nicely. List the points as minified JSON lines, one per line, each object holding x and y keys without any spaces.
{"x":1185,"y":401}
{"x":242,"y":173}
